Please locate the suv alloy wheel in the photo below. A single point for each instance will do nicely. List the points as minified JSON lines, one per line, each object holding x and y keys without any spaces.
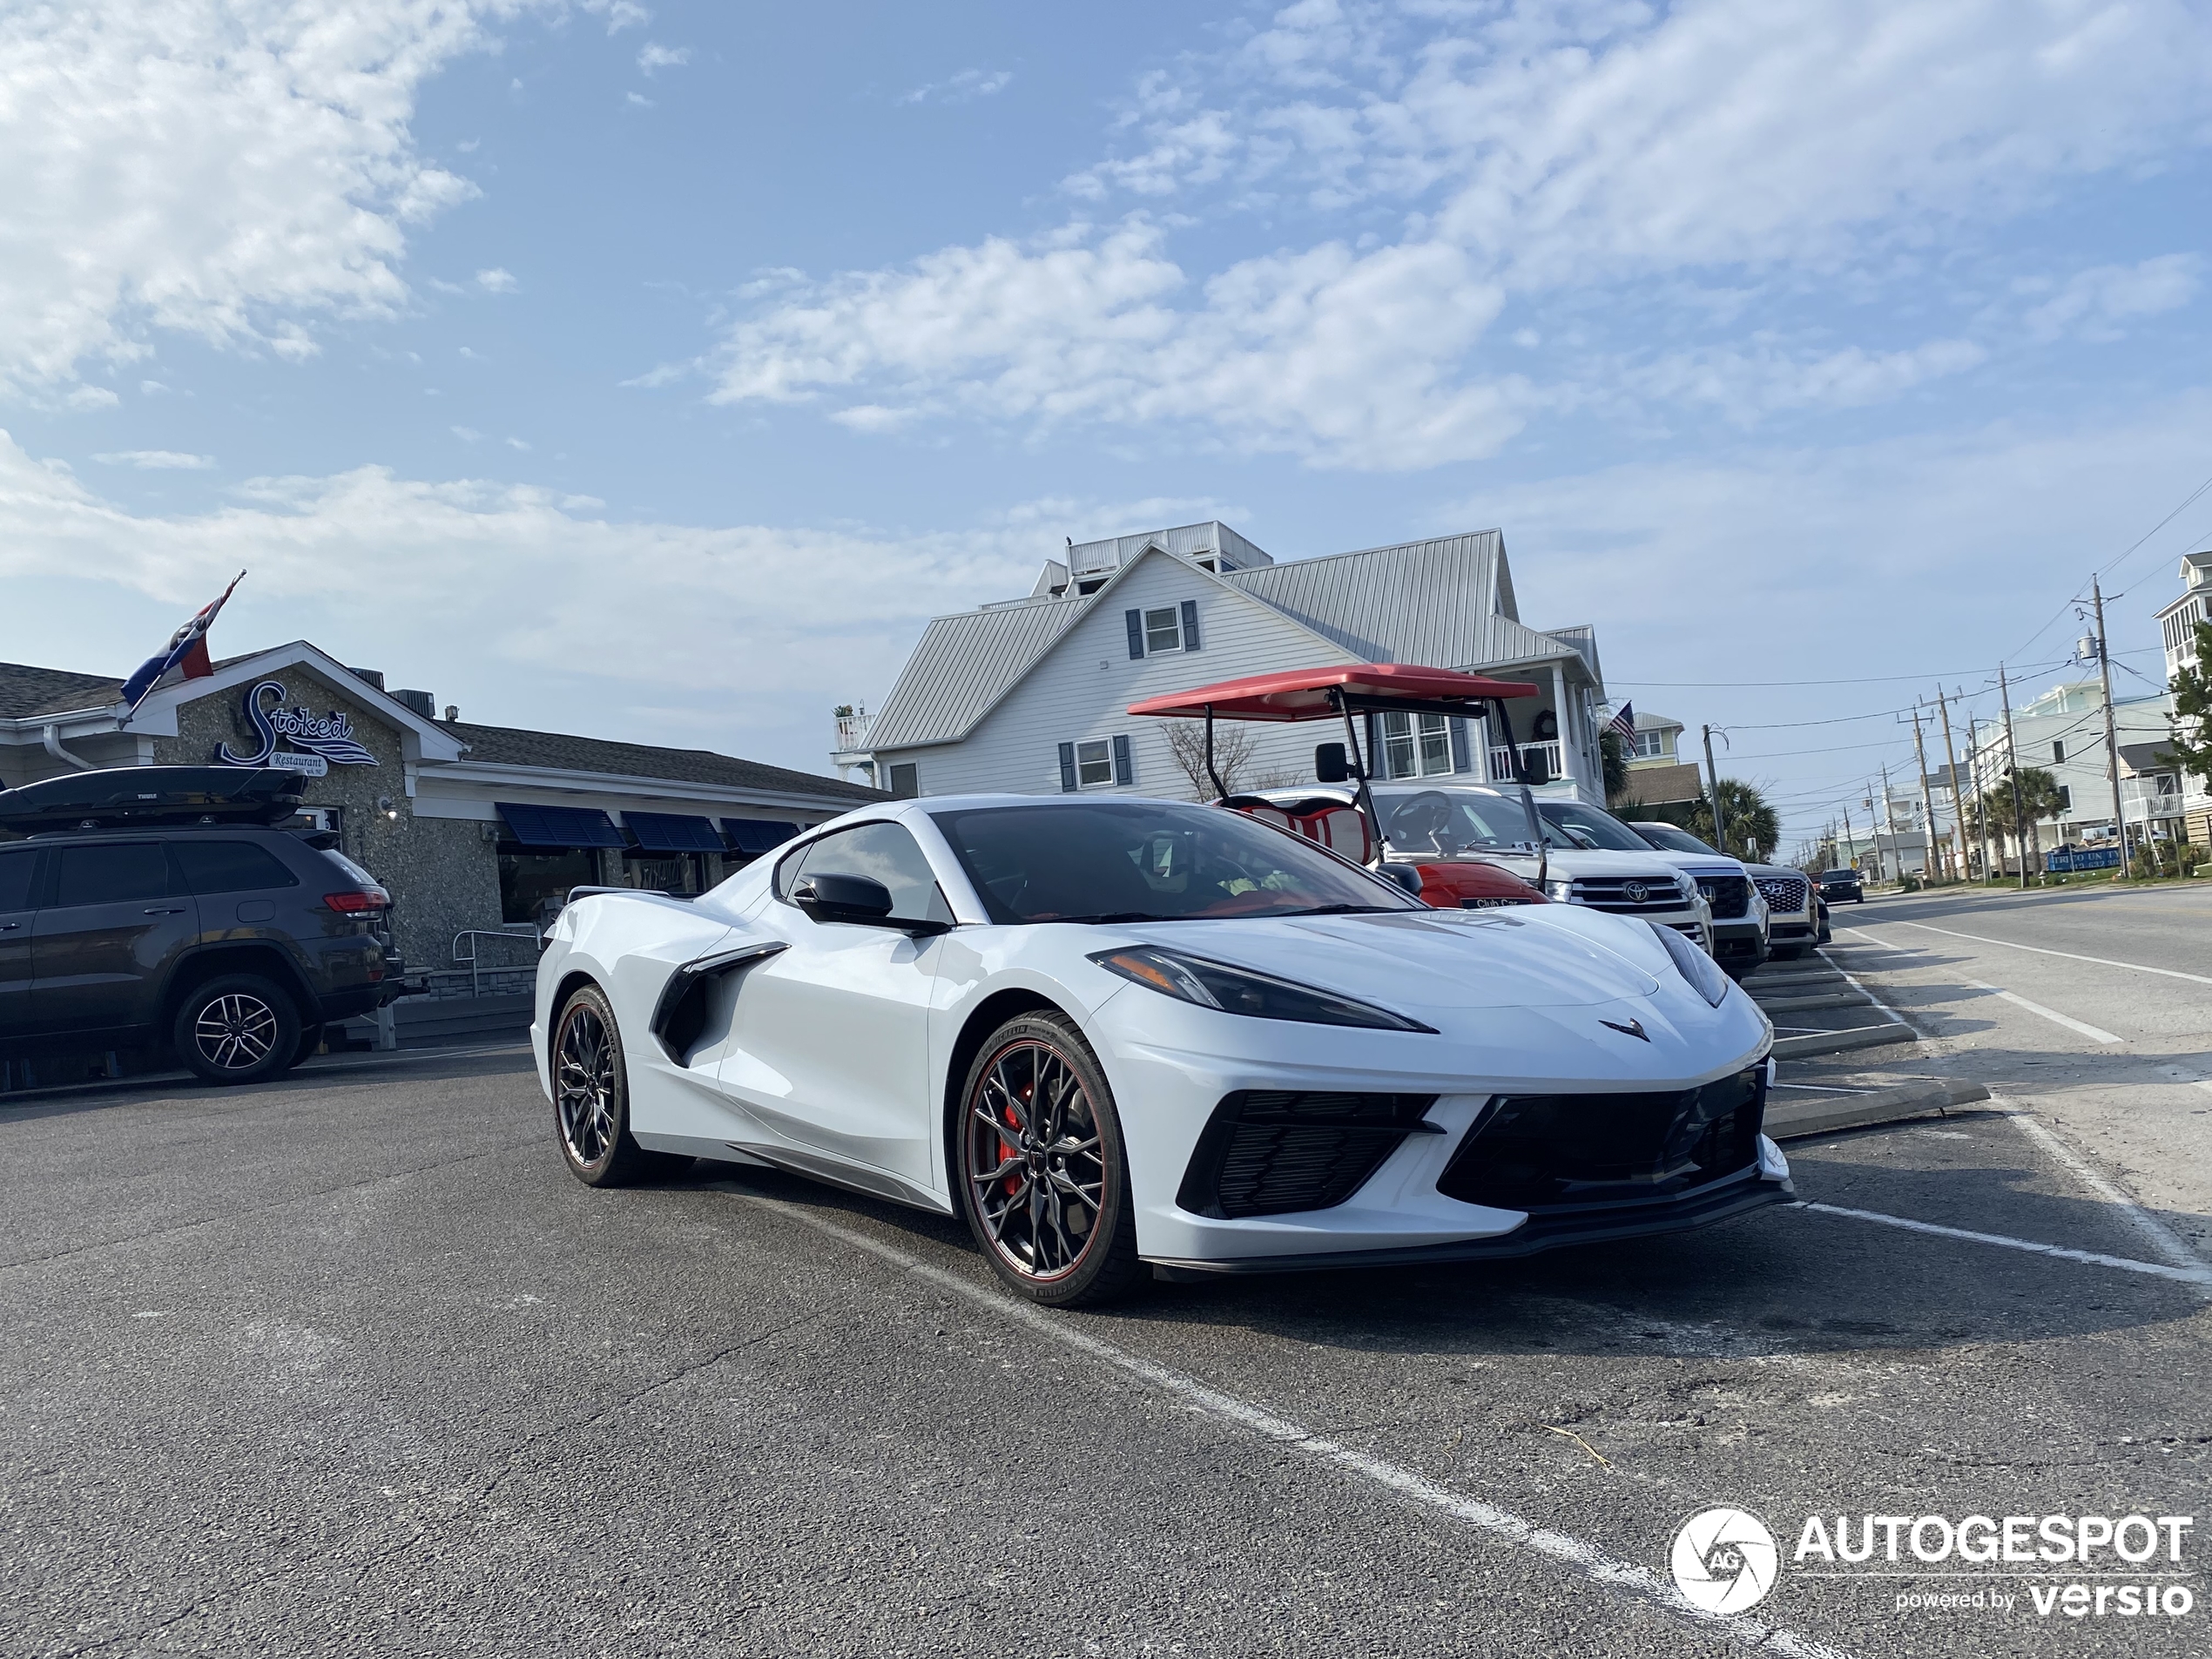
{"x":237,"y":1029}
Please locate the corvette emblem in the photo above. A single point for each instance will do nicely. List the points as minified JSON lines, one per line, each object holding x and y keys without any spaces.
{"x":1636,"y":893}
{"x":1634,"y":1029}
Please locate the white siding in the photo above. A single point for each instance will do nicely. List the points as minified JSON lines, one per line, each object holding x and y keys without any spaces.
{"x":1082,"y":688}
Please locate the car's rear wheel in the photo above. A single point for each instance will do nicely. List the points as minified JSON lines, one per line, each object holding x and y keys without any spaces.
{"x":592,"y":1098}
{"x":1042,"y":1174}
{"x":236,"y":1028}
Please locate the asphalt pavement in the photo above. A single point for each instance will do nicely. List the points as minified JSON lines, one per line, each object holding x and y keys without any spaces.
{"x":348,"y":1363}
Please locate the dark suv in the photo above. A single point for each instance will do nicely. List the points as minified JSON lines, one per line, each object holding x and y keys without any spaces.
{"x":175,"y":921}
{"x":1836,"y":886}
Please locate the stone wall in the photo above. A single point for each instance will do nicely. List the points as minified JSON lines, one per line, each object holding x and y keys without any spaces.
{"x":442,"y":873}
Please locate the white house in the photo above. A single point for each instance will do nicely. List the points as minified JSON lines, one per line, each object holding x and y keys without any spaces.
{"x":1029,"y":696}
{"x":2177,"y":627}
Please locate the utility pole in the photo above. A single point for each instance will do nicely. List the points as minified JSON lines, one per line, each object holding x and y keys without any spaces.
{"x":1981,"y":795}
{"x":2012,"y":765}
{"x":1889,"y":817}
{"x":1712,"y":772}
{"x":2112,"y":742}
{"x":1928,"y":804}
{"x":1951,"y":759}
{"x":1849,"y":840}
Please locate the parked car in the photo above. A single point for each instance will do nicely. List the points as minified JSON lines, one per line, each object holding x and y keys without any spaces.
{"x":159,"y":908}
{"x":1836,"y":886}
{"x":1443,"y":829}
{"x":1794,"y":924}
{"x":1741,"y":931}
{"x":1115,"y":1032}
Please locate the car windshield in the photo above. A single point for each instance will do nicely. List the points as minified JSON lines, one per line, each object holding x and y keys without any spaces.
{"x":1149,"y":861}
{"x":1571,"y":826}
{"x":1839,"y":875}
{"x":1668,"y":839}
{"x":1450,"y":820}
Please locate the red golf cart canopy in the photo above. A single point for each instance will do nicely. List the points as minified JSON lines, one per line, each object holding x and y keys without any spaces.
{"x":1323,"y":693}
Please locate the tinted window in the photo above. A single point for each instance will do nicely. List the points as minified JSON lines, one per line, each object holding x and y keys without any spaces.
{"x":15,"y":879}
{"x":1152,"y":860}
{"x":112,"y":873}
{"x":1569,"y":824}
{"x":1672,"y":840}
{"x":231,"y":866}
{"x":883,"y":852}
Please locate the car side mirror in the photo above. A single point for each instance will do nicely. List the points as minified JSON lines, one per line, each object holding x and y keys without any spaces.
{"x":1407,"y":876}
{"x":1538,"y":772}
{"x":1330,"y":765}
{"x":859,"y":900}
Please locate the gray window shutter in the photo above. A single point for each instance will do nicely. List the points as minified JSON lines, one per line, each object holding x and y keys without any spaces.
{"x":1135,"y":620}
{"x":1459,"y":759}
{"x":1124,"y":763}
{"x":1067,"y":768}
{"x":1190,"y":624}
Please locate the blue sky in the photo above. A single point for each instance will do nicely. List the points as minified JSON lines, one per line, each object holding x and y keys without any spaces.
{"x":655,"y":371}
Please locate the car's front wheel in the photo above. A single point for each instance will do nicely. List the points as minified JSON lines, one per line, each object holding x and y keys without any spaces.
{"x":591,"y":1098}
{"x":1043,"y":1173}
{"x":236,"y":1028}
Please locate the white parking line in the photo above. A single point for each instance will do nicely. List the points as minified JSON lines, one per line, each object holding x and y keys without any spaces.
{"x":2156,"y":1233}
{"x":2200,"y":1275}
{"x":2101,"y":962}
{"x":1609,"y":1571}
{"x":2096,"y":1034}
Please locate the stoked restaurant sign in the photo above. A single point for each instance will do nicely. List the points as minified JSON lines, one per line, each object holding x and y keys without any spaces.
{"x":317,"y":741}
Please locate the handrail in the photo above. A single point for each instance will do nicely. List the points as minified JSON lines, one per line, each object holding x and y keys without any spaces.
{"x":515,"y":931}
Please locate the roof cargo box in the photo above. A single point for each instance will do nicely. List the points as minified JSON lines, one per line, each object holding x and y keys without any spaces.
{"x":129,"y":795}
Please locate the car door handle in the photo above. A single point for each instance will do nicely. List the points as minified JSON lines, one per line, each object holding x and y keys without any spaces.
{"x":9,"y":927}
{"x":164,"y":910}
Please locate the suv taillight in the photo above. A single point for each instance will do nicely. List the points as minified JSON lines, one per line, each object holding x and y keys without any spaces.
{"x":354,"y":903}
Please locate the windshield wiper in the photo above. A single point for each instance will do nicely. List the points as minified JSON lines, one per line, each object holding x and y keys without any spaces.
{"x":1348,"y":910}
{"x":1111,"y":916}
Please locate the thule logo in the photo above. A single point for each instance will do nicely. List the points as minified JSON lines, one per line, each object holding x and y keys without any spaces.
{"x":1634,"y":1029}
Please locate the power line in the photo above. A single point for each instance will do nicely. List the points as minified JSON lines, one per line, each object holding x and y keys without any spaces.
{"x":2187,"y":501}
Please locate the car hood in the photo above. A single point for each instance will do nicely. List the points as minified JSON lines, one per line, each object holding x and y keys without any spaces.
{"x":1437,"y":959}
{"x":1579,"y":862}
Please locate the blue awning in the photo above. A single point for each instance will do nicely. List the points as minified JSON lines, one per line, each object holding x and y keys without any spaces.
{"x":671,"y":833}
{"x":557,"y":827}
{"x":757,"y":834}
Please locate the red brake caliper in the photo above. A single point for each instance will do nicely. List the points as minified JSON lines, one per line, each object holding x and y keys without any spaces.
{"x":1012,"y":1184}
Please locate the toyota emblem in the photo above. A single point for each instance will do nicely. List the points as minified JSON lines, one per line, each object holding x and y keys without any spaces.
{"x":1636,"y":892}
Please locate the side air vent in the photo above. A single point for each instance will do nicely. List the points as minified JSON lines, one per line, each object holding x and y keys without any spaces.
{"x":1266,"y":1152}
{"x":1539,"y":1152}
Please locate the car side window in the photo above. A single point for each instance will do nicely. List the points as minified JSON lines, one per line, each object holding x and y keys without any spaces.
{"x":231,"y":866}
{"x":885,"y":853}
{"x":112,"y":873}
{"x":16,"y":871}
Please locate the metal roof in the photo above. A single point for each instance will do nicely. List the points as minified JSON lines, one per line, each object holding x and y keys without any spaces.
{"x":961,"y":665}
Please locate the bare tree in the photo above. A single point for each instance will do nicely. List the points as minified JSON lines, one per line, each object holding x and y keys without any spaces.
{"x":1234,"y":743}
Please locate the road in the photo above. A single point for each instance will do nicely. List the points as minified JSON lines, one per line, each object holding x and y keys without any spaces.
{"x":349,"y":1364}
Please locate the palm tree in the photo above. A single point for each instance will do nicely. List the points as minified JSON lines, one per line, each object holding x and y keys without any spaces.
{"x":1753,"y":827}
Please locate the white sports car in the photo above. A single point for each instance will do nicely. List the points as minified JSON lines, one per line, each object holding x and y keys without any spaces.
{"x":1118,"y":1032}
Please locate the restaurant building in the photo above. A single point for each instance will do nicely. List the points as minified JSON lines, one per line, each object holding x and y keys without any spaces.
{"x":474,"y":829}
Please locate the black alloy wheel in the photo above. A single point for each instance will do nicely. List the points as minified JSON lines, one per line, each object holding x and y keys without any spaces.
{"x":237,"y":1029}
{"x":592,"y":1098}
{"x":1042,"y":1169}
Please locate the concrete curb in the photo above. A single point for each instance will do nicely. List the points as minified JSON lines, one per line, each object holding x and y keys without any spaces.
{"x":1795,"y":1123}
{"x":1863,"y":1036}
{"x":1844,"y":999}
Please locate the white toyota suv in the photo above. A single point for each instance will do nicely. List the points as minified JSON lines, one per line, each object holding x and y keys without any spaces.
{"x":1742,"y":922}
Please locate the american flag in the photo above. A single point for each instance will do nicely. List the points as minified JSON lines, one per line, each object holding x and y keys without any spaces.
{"x":1624,"y":722}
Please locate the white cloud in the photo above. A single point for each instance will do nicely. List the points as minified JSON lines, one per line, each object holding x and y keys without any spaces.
{"x":1340,"y":357}
{"x":963,"y":88}
{"x":547,"y":613}
{"x":655,"y":57}
{"x":2097,"y":300}
{"x":83,"y":398}
{"x":497,"y":280}
{"x":466,"y":434}
{"x":640,"y":101}
{"x":1705,"y":165}
{"x":218,"y":171}
{"x":156,"y":460}
{"x":620,"y":15}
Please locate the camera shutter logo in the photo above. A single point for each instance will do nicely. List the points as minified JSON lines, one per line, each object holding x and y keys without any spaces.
{"x":1724,"y":1561}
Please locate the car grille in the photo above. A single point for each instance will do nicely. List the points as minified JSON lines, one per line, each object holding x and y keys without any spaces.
{"x":1549,"y":1152}
{"x":1784,"y":892}
{"x":1265,"y":1152}
{"x":1613,"y":893}
{"x":1730,"y":895}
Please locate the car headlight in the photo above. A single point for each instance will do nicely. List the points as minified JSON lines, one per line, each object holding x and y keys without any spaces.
{"x":1559,"y":891}
{"x":1240,"y":990}
{"x":1691,"y":891}
{"x":1693,"y":965}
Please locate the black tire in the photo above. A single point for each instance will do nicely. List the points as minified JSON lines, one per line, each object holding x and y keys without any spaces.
{"x":1063,"y":1231}
{"x":1786,"y":953}
{"x":592,"y":1098}
{"x":236,"y":1028}
{"x":310,"y":1040}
